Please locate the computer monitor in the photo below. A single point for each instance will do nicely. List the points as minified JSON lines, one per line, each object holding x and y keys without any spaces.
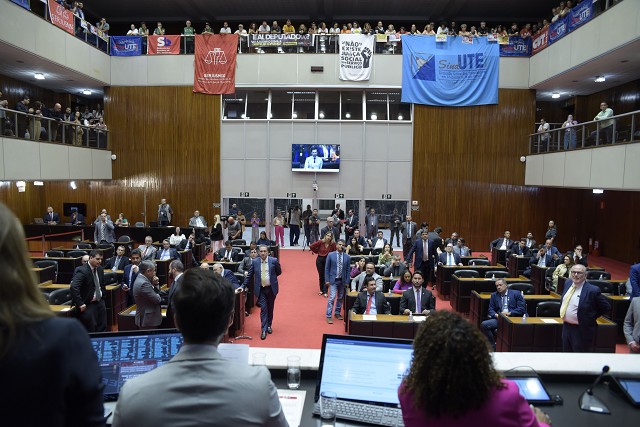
{"x":67,"y":208}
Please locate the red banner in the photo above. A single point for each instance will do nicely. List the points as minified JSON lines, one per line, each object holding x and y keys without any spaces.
{"x":215,"y":63}
{"x":163,"y":45}
{"x":540,"y":40}
{"x":60,"y":17}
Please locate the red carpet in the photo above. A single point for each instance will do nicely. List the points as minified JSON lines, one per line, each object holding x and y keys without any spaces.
{"x":299,"y":319}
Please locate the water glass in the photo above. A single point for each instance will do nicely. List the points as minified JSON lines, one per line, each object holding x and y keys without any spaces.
{"x":328,"y":408}
{"x":293,"y":372}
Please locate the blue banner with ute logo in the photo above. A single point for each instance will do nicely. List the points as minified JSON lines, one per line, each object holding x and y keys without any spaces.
{"x":517,"y":46}
{"x":558,"y":29}
{"x":580,"y":14}
{"x":126,"y":45}
{"x":451,"y":73}
{"x":23,"y":3}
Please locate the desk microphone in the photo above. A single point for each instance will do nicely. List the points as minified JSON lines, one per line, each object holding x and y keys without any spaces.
{"x":589,"y":402}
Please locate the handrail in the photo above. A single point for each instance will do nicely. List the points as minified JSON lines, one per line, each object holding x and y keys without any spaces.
{"x":19,"y":124}
{"x":540,"y":142}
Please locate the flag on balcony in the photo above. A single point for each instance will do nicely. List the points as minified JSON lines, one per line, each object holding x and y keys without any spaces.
{"x":215,"y":63}
{"x":356,"y":56}
{"x":23,"y":3}
{"x":163,"y":45}
{"x":60,"y":16}
{"x":451,"y":73}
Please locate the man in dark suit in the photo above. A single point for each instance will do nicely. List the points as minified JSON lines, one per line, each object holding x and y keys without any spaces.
{"x":394,"y":224}
{"x":542,"y":258}
{"x":634,"y":280}
{"x":521,"y":248}
{"x":264,"y":272}
{"x":336,"y":274}
{"x":330,"y":227}
{"x":130,"y":274}
{"x":167,"y":252}
{"x":147,"y":294}
{"x":350,"y":225}
{"x":448,"y":257}
{"x":176,"y":270}
{"x":396,"y":267}
{"x":117,"y":262}
{"x":424,"y":251}
{"x":51,"y":217}
{"x":503,"y":300}
{"x":434,"y":236}
{"x":582,"y":304}
{"x":371,"y":301}
{"x":77,"y":218}
{"x":361,"y":240}
{"x":408,"y":230}
{"x":503,"y":243}
{"x":378,"y":241}
{"x":227,"y":254}
{"x":371,"y":224}
{"x":531,"y":243}
{"x":87,"y":294}
{"x":227,"y":274}
{"x":417,"y":300}
{"x":578,"y":256}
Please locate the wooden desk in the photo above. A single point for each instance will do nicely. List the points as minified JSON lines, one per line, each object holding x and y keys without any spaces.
{"x":480,"y":305}
{"x":61,"y":310}
{"x":465,"y":259}
{"x":619,"y":307}
{"x":445,"y":272}
{"x":127,"y":319}
{"x":350,"y":299}
{"x":498,"y":256}
{"x":384,"y":325}
{"x":517,"y":264}
{"x":538,"y":276}
{"x":538,"y":336}
{"x":461,"y":289}
{"x":237,"y":327}
{"x":66,"y":266}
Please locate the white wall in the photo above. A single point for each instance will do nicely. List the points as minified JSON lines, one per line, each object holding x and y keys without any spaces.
{"x":256,"y":157}
{"x":30,"y":160}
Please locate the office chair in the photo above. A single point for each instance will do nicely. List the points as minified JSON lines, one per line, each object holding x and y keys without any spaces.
{"x":55,"y":254}
{"x":598,"y":275}
{"x":479,"y":261}
{"x":525,"y":288}
{"x":60,"y":297}
{"x":466,"y":273}
{"x":548,"y":309}
{"x":496,"y":274}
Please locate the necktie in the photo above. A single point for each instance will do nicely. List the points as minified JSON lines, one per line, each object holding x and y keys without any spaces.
{"x":102,"y":232}
{"x":115,"y":265}
{"x":424,"y":250}
{"x":370,"y":298}
{"x":565,"y":301}
{"x":131,"y":277}
{"x":339,"y":255}
{"x":51,"y":215}
{"x":505,"y":303}
{"x":263,"y":273}
{"x":542,"y":262}
{"x":450,"y":261}
{"x":577,"y":260}
{"x":418,"y":305}
{"x":96,"y":281}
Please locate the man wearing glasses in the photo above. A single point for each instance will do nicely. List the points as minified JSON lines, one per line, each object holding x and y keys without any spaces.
{"x":582,"y":304}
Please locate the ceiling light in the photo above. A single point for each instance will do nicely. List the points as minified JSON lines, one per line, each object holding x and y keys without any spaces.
{"x":555,"y":95}
{"x":38,"y":76}
{"x":295,"y":115}
{"x":374,"y":116}
{"x":600,"y":79}
{"x":598,"y":191}
{"x":73,"y":185}
{"x":86,"y":92}
{"x":38,"y":183}
{"x":321,"y":115}
{"x":400,"y":117}
{"x":347,"y":116}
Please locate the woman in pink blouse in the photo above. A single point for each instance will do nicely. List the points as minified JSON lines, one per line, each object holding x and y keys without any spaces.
{"x":403,"y":283}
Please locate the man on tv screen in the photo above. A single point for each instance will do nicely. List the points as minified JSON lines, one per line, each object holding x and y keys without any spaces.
{"x":313,"y":162}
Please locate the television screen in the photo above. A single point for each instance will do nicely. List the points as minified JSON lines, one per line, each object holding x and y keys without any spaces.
{"x":315,"y":158}
{"x":67,"y":208}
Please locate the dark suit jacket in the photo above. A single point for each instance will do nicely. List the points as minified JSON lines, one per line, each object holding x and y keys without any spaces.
{"x":83,"y":287}
{"x":79,"y":220}
{"x":183,"y":244}
{"x":335,"y":230}
{"x":634,"y":280}
{"x":443,"y":258}
{"x":498,"y":243}
{"x":515,"y":304}
{"x":254,"y":273}
{"x":592,"y":305}
{"x":582,"y":260}
{"x":408,"y":301}
{"x":331,"y":268}
{"x":129,"y":281}
{"x":148,"y":311}
{"x":382,"y":306}
{"x":374,"y":241}
{"x":222,"y":251}
{"x":549,"y":262}
{"x":518,"y":251}
{"x":417,"y":250}
{"x":122,"y":263}
{"x":172,"y":290}
{"x":351,"y":224}
{"x":173,"y":254}
{"x":227,"y":274}
{"x":46,"y":217}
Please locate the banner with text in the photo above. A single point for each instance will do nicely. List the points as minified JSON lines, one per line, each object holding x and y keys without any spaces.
{"x":580,"y":14}
{"x":356,"y":55}
{"x":280,"y":40}
{"x":60,"y":17}
{"x":452,"y":74}
{"x":126,"y":45}
{"x":517,"y":46}
{"x":540,"y":40}
{"x":23,"y":3}
{"x":215,"y":63}
{"x":558,"y":29}
{"x":163,"y":45}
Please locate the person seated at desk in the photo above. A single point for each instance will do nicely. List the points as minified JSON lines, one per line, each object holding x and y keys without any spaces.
{"x":51,"y":217}
{"x":396,"y":267}
{"x":358,"y":267}
{"x":436,"y":394}
{"x":417,"y":300}
{"x":227,"y":274}
{"x":76,"y":218}
{"x":197,"y":220}
{"x":386,"y":256}
{"x":361,"y":240}
{"x":252,"y":245}
{"x":50,"y":373}
{"x":117,"y":262}
{"x":245,"y":265}
{"x":502,"y":243}
{"x":448,"y":257}
{"x":353,"y":248}
{"x":263,"y":240}
{"x":371,"y":301}
{"x":404,"y":282}
{"x":503,"y":300}
{"x":578,"y":256}
{"x":461,"y":249}
{"x":121,"y":221}
{"x":358,"y":284}
{"x":186,"y":244}
{"x":167,"y":252}
{"x":555,"y":253}
{"x":148,"y":251}
{"x":177,"y":237}
{"x":203,"y":310}
{"x":377,"y":242}
{"x":521,"y":248}
{"x":562,"y":270}
{"x":227,"y":254}
{"x":542,"y":259}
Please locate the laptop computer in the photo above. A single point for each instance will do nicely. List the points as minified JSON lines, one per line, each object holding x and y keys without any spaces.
{"x":365,"y":373}
{"x":38,"y":221}
{"x":128,"y":354}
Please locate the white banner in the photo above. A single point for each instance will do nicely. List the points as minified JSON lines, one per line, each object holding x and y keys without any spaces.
{"x":356,"y":56}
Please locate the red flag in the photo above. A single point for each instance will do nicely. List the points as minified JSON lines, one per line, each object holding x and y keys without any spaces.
{"x":163,"y":45}
{"x":215,"y":63}
{"x":60,"y":17}
{"x":540,"y":40}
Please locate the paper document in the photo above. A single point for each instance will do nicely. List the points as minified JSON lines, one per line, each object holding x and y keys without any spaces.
{"x":550,"y":321}
{"x":368,"y":317}
{"x":236,"y":352}
{"x":292,"y":402}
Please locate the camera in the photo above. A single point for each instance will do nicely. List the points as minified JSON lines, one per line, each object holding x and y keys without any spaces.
{"x":315,"y":186}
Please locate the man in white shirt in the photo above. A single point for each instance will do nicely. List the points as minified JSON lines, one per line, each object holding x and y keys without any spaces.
{"x":197,"y":220}
{"x":313,"y":162}
{"x":543,"y":130}
{"x":226,"y":29}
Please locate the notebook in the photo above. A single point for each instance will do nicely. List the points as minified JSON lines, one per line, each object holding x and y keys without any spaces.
{"x":365,"y":370}
{"x":128,"y":354}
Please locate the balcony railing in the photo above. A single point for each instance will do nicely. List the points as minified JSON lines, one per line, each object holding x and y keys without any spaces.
{"x":16,"y":124}
{"x":622,"y":128}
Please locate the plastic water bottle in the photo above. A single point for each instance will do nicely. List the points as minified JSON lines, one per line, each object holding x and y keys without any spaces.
{"x":522,"y":293}
{"x":524,"y":318}
{"x":411,"y":315}
{"x":493,"y":277}
{"x":601,"y":277}
{"x":27,"y":135}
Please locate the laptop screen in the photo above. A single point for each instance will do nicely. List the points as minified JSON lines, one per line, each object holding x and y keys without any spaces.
{"x":127,"y":354}
{"x":363,"y":369}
